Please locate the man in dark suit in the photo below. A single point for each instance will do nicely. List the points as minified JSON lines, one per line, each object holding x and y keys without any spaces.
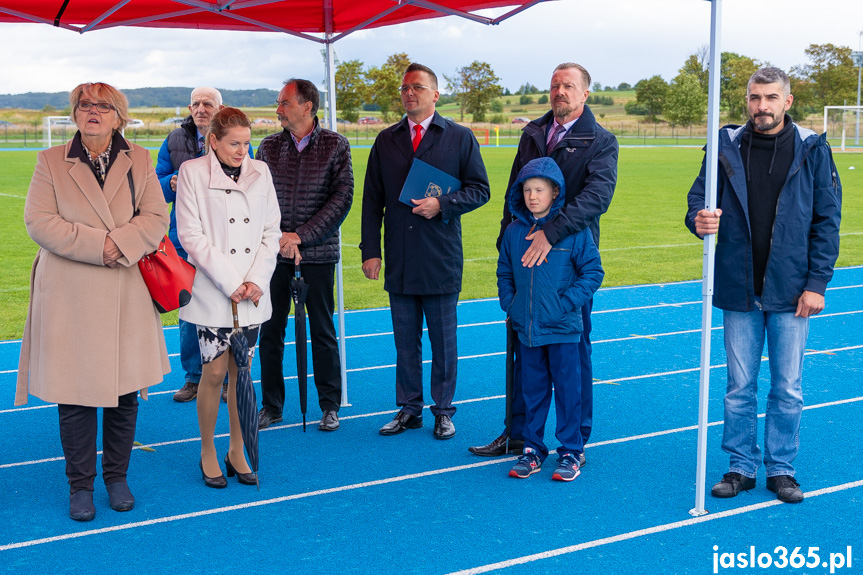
{"x":587,"y":155}
{"x":422,"y":243}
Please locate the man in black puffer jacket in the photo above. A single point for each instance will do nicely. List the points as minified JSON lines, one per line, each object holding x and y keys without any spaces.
{"x":314,"y":182}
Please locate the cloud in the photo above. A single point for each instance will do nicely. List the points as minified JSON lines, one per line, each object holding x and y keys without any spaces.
{"x":617,"y":40}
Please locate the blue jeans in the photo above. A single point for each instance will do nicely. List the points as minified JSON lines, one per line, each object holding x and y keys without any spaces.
{"x":190,"y":351}
{"x":744,"y":343}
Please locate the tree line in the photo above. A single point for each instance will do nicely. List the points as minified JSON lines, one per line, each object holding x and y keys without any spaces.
{"x":474,"y":87}
{"x":169,"y":97}
{"x":829,"y":78}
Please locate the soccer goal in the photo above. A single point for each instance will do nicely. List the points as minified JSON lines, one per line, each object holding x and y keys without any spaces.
{"x":844,"y":123}
{"x":57,"y":130}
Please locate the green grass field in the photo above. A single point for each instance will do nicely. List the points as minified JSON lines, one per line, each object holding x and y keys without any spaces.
{"x":643,"y":236}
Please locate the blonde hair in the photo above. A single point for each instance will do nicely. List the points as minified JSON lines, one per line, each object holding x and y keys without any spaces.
{"x":105,"y":92}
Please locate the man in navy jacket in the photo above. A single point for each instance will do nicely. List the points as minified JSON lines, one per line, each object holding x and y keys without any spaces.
{"x":779,"y":197}
{"x":587,"y":155}
{"x":423,"y":246}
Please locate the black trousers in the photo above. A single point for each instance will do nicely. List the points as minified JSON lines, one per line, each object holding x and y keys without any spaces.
{"x":325,"y":349}
{"x":78,"y":428}
{"x":439,"y":311}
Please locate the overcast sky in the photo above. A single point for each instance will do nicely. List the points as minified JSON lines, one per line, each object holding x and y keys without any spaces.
{"x":617,"y":40}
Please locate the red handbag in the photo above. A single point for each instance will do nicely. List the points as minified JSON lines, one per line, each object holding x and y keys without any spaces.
{"x":169,"y":277}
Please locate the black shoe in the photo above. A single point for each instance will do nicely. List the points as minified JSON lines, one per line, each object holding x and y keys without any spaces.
{"x":582,"y":460}
{"x":732,"y":484}
{"x":443,"y":427}
{"x":225,"y":392}
{"x":215,"y":482}
{"x":188,"y":392}
{"x":267,"y":417}
{"x":244,"y":478}
{"x":329,"y":421}
{"x":81,"y":506}
{"x":498,"y":447}
{"x":786,"y":488}
{"x":401,"y":422}
{"x":119,"y":496}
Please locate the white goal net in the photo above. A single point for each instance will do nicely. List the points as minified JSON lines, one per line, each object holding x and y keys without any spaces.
{"x":57,"y":130}
{"x":844,"y":124}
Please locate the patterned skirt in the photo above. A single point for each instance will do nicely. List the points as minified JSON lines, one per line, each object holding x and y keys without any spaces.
{"x":214,"y":341}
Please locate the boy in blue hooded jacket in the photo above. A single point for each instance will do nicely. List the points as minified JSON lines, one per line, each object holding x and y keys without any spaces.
{"x":543,"y":303}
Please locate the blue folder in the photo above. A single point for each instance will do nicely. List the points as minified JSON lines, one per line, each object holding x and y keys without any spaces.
{"x":426,"y":181}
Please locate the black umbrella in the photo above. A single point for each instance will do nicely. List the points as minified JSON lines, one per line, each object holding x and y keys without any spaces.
{"x":299,"y":291}
{"x":510,"y":377}
{"x":247,"y":403}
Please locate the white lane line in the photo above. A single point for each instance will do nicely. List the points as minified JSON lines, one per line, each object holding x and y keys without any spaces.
{"x":648,"y":531}
{"x":498,"y":353}
{"x":692,"y":369}
{"x":461,"y":402}
{"x":250,"y":505}
{"x":431,"y":473}
{"x":627,"y":248}
{"x":660,"y":305}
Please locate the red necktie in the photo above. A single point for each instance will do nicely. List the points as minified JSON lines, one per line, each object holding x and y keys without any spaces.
{"x":418,"y":136}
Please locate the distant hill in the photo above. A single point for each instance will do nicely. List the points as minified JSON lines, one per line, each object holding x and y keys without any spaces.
{"x":143,"y":98}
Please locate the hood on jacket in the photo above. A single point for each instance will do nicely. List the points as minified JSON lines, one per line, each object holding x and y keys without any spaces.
{"x":538,"y":168}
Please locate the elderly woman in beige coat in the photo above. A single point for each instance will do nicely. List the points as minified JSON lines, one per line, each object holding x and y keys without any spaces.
{"x":228,"y":221}
{"x":93,"y":337}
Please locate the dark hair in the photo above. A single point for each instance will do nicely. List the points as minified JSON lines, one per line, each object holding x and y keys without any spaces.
{"x":306,"y":92}
{"x":414,"y":67}
{"x":769,"y":76}
{"x":228,"y":118}
{"x":584,"y":73}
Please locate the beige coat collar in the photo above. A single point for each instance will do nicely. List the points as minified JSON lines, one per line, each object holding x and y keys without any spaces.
{"x":98,"y":197}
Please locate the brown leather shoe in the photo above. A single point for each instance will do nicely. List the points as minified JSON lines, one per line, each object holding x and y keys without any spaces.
{"x":186,"y":393}
{"x":498,"y":447}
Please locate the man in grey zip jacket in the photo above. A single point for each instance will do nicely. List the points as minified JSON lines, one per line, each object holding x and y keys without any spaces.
{"x":779,"y":197}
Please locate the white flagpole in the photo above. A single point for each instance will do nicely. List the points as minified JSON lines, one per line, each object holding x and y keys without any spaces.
{"x":340,"y":283}
{"x":711,"y":167}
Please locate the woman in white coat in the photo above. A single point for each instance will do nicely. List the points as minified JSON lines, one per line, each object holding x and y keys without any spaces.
{"x":228,"y":221}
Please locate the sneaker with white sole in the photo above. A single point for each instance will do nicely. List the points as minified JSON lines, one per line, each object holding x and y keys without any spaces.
{"x":527,"y":464}
{"x":567,"y":468}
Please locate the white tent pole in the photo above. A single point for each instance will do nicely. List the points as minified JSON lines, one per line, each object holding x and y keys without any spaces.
{"x":711,"y":167}
{"x":340,"y":283}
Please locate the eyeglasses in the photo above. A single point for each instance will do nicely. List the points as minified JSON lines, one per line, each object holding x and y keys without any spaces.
{"x":101,"y":107}
{"x":417,"y":88}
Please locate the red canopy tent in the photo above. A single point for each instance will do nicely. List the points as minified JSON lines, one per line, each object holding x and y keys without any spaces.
{"x":322,"y":21}
{"x":334,"y":19}
{"x":326,"y":21}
